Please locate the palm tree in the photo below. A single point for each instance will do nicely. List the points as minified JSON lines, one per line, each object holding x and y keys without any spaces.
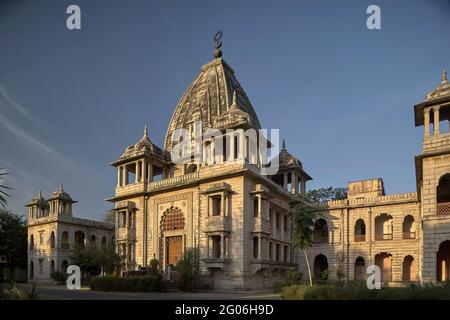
{"x":303,"y":219}
{"x":3,"y":194}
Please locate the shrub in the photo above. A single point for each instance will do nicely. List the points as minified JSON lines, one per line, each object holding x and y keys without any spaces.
{"x":188,"y":271}
{"x":59,"y":277}
{"x":293,"y":277}
{"x":359,"y":291}
{"x":131,"y":284}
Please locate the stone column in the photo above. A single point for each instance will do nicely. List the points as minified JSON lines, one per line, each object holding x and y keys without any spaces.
{"x":125,"y":175}
{"x":259,"y":205}
{"x":303,"y":186}
{"x":222,"y":204}
{"x":150,"y":172}
{"x":222,"y":246}
{"x":232,"y":146}
{"x":242,"y":147}
{"x":436,"y":120}
{"x":426,"y":115}
{"x":293,"y":182}
{"x":136,"y":176}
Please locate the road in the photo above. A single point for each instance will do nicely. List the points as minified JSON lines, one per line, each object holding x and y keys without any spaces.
{"x":51,"y":292}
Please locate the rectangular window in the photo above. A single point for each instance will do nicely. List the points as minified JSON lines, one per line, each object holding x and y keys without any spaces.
{"x":277,"y":253}
{"x":216,"y":204}
{"x":255,"y":207}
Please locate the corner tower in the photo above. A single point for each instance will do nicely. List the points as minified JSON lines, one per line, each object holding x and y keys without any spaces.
{"x":433,"y":182}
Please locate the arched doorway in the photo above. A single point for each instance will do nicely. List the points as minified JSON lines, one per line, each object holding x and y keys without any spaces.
{"x":320,"y":267}
{"x":360,"y":269}
{"x":171,"y":240}
{"x":384,"y":261}
{"x":443,"y":262}
{"x":409,"y":270}
{"x":64,"y":266}
{"x":31,"y":270}
{"x":52,"y":268}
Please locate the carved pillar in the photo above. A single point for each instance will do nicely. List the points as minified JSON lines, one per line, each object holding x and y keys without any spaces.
{"x":259,"y":247}
{"x":426,"y":115}
{"x":436,"y":120}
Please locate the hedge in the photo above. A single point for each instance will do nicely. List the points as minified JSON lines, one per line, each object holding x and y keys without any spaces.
{"x":130,"y":284}
{"x":361,"y":292}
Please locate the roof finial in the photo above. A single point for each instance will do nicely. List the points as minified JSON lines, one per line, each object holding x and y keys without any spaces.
{"x":61,"y":187}
{"x":234,"y":99}
{"x":444,"y":76}
{"x":40,"y":194}
{"x":218,"y":40}
{"x":284,"y":145}
{"x":145,"y":132}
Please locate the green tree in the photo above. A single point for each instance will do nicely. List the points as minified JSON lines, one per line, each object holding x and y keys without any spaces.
{"x":188,"y":270}
{"x":92,"y":261}
{"x":13,"y":239}
{"x":303,"y":218}
{"x":3,"y":194}
{"x":326,"y":194}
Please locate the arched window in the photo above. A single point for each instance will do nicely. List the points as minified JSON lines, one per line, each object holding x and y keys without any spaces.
{"x":79,"y":239}
{"x":52,"y":240}
{"x":409,"y":270}
{"x":360,"y":269}
{"x":93,"y":242}
{"x":31,"y":242}
{"x":104,"y":243}
{"x":443,"y":195}
{"x":172,"y":219}
{"x":65,"y":240}
{"x":384,"y":261}
{"x":443,"y":261}
{"x":409,"y":231}
{"x":360,"y":231}
{"x":320,"y":232}
{"x":383,"y":227}
{"x":320,"y":267}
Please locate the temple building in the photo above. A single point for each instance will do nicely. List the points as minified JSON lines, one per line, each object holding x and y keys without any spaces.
{"x":222,"y":207}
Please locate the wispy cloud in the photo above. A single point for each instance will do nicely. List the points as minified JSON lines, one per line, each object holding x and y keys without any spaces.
{"x":14,"y":104}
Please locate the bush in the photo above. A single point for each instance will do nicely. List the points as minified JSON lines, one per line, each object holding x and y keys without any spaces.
{"x":131,"y":284}
{"x":359,"y":291}
{"x":293,"y":277}
{"x":15,"y":294}
{"x":59,"y":277}
{"x":188,"y":271}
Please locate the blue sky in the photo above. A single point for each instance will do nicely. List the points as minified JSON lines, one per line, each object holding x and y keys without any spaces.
{"x":342,"y":95}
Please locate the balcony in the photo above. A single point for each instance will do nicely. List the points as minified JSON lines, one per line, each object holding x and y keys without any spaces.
{"x":409,"y":235}
{"x":126,"y":233}
{"x":383,"y":237}
{"x":216,"y":263}
{"x":218,"y":223}
{"x":261,"y":225}
{"x":443,"y":208}
{"x":130,"y":189}
{"x":360,"y":237}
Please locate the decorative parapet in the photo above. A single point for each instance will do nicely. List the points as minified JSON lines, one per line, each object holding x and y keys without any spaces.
{"x":175,"y":181}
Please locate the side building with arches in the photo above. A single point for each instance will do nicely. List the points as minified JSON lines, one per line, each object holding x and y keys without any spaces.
{"x":407,"y":235}
{"x":53,"y":232}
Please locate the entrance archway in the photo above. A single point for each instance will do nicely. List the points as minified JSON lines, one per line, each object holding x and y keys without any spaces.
{"x":384,"y":261}
{"x":171,"y":237}
{"x":409,"y":270}
{"x":443,"y":262}
{"x":320,"y":267}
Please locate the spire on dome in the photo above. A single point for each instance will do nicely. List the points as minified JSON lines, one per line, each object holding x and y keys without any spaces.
{"x":40,"y":194}
{"x":283,"y":147}
{"x":145,"y":132}
{"x":444,"y":76}
{"x":61,"y":187}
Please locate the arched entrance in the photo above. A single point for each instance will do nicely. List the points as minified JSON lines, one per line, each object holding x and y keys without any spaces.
{"x":360,"y":269}
{"x":172,"y":236}
{"x":320,"y":267}
{"x":443,"y":262}
{"x":384,"y":261}
{"x":409,"y":270}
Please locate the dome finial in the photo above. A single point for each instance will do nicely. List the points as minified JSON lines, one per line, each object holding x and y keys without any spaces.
{"x":61,"y":187}
{"x":284,"y":145}
{"x":40,"y":194}
{"x":444,"y":76}
{"x":218,"y":40}
{"x":145,"y":132}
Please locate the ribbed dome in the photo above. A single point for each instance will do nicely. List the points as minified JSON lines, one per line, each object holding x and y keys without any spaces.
{"x":210,"y":95}
{"x":61,"y":194}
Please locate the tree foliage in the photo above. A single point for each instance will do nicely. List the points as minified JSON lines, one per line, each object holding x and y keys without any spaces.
{"x":326,"y":194}
{"x":13,"y":239}
{"x":188,"y":271}
{"x":93,"y":260}
{"x":3,"y":194}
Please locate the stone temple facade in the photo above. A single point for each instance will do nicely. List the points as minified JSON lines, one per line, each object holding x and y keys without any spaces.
{"x":407,"y":235}
{"x":221,"y":207}
{"x":53,"y":232}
